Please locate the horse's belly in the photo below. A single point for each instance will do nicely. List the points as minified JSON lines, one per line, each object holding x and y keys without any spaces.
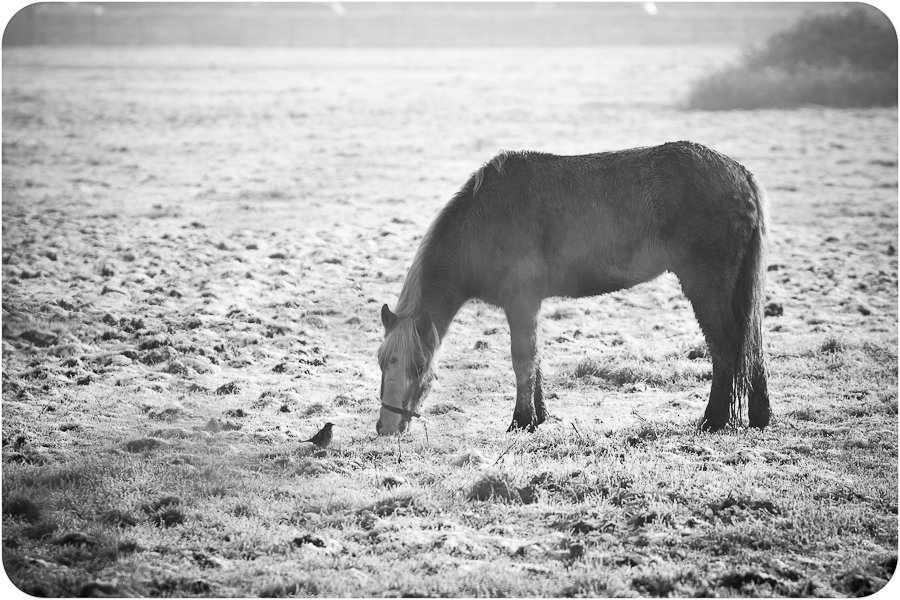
{"x":605,"y":272}
{"x":597,"y":284}
{"x":594,"y":287}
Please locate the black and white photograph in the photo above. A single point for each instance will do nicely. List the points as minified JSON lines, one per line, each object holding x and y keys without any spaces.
{"x":449,"y":299}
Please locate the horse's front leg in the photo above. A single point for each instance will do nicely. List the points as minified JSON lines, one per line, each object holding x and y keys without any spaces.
{"x":523,"y":328}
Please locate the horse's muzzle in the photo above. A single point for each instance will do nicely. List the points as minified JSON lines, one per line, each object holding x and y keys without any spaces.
{"x":381,"y":429}
{"x":393,"y":419}
{"x":389,"y":424}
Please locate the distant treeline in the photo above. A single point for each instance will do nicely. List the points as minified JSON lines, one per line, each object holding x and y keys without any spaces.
{"x":386,"y":25}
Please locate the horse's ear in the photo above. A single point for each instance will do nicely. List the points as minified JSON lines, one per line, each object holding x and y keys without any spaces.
{"x":424,"y":325}
{"x":388,"y":319}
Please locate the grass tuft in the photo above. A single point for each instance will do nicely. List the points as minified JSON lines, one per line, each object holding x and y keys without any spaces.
{"x":442,"y":408}
{"x":284,"y":589}
{"x":398,"y":505}
{"x":645,"y":433}
{"x":19,"y":507}
{"x":700,"y":351}
{"x":468,"y":457}
{"x":494,"y":487}
{"x":832,"y":346}
{"x":657,"y":585}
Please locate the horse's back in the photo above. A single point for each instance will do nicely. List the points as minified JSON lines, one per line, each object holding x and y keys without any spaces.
{"x":590,"y":224}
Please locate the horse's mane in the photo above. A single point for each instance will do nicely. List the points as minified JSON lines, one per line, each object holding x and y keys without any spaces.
{"x":431,"y":254}
{"x":496,"y":162}
{"x":409,"y":303}
{"x":404,"y":337}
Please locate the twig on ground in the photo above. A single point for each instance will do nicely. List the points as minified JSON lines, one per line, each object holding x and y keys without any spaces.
{"x":577,"y":432}
{"x":515,"y":441}
{"x":45,"y":407}
{"x":47,"y":403}
{"x":856,"y":494}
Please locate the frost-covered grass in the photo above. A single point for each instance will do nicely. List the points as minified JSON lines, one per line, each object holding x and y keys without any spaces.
{"x":193,"y":263}
{"x":654,"y":509}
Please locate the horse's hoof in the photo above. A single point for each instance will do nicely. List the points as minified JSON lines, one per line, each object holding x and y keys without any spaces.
{"x":706,"y":425}
{"x":514,"y":426}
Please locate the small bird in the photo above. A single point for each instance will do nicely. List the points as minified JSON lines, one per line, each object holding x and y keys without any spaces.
{"x":323,"y":438}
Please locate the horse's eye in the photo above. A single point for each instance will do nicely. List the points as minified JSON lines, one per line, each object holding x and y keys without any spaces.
{"x":394,"y":360}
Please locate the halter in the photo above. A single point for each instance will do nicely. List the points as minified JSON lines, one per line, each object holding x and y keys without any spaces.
{"x":400,"y":411}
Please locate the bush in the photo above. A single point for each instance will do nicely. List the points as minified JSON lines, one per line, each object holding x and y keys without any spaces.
{"x":855,"y":38}
{"x":844,"y":59}
{"x":748,"y":88}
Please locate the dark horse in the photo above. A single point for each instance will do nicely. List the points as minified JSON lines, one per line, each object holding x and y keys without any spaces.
{"x":527,"y":226}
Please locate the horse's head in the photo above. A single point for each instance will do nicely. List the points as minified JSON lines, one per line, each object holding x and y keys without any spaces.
{"x":405,"y":357}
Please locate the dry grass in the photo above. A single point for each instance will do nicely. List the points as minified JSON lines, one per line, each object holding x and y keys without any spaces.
{"x":619,"y":369}
{"x":172,"y":328}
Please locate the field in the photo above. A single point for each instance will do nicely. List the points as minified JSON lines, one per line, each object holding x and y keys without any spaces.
{"x":196,"y":247}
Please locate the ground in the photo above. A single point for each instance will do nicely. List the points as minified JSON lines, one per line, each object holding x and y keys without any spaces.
{"x":196,"y":247}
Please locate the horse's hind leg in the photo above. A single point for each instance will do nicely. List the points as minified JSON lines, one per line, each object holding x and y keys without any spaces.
{"x":758,"y":406}
{"x":718,"y":409}
{"x":709,"y":293}
{"x":523,"y":329}
{"x":540,"y":411}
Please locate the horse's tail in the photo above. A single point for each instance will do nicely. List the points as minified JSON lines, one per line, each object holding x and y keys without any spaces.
{"x":747,"y":304}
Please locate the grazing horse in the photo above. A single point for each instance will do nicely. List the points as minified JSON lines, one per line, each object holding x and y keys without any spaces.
{"x":528,"y":225}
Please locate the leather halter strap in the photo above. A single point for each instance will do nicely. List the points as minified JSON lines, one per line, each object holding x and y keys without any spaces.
{"x":400,"y":411}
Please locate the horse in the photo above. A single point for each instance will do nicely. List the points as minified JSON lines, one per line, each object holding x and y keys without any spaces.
{"x":528,"y":225}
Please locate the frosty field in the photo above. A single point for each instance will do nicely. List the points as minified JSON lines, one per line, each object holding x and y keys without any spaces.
{"x":196,"y":247}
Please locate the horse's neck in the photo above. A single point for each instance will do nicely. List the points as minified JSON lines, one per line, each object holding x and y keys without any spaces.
{"x":441,"y":300}
{"x":443,"y":311}
{"x":435,"y":286}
